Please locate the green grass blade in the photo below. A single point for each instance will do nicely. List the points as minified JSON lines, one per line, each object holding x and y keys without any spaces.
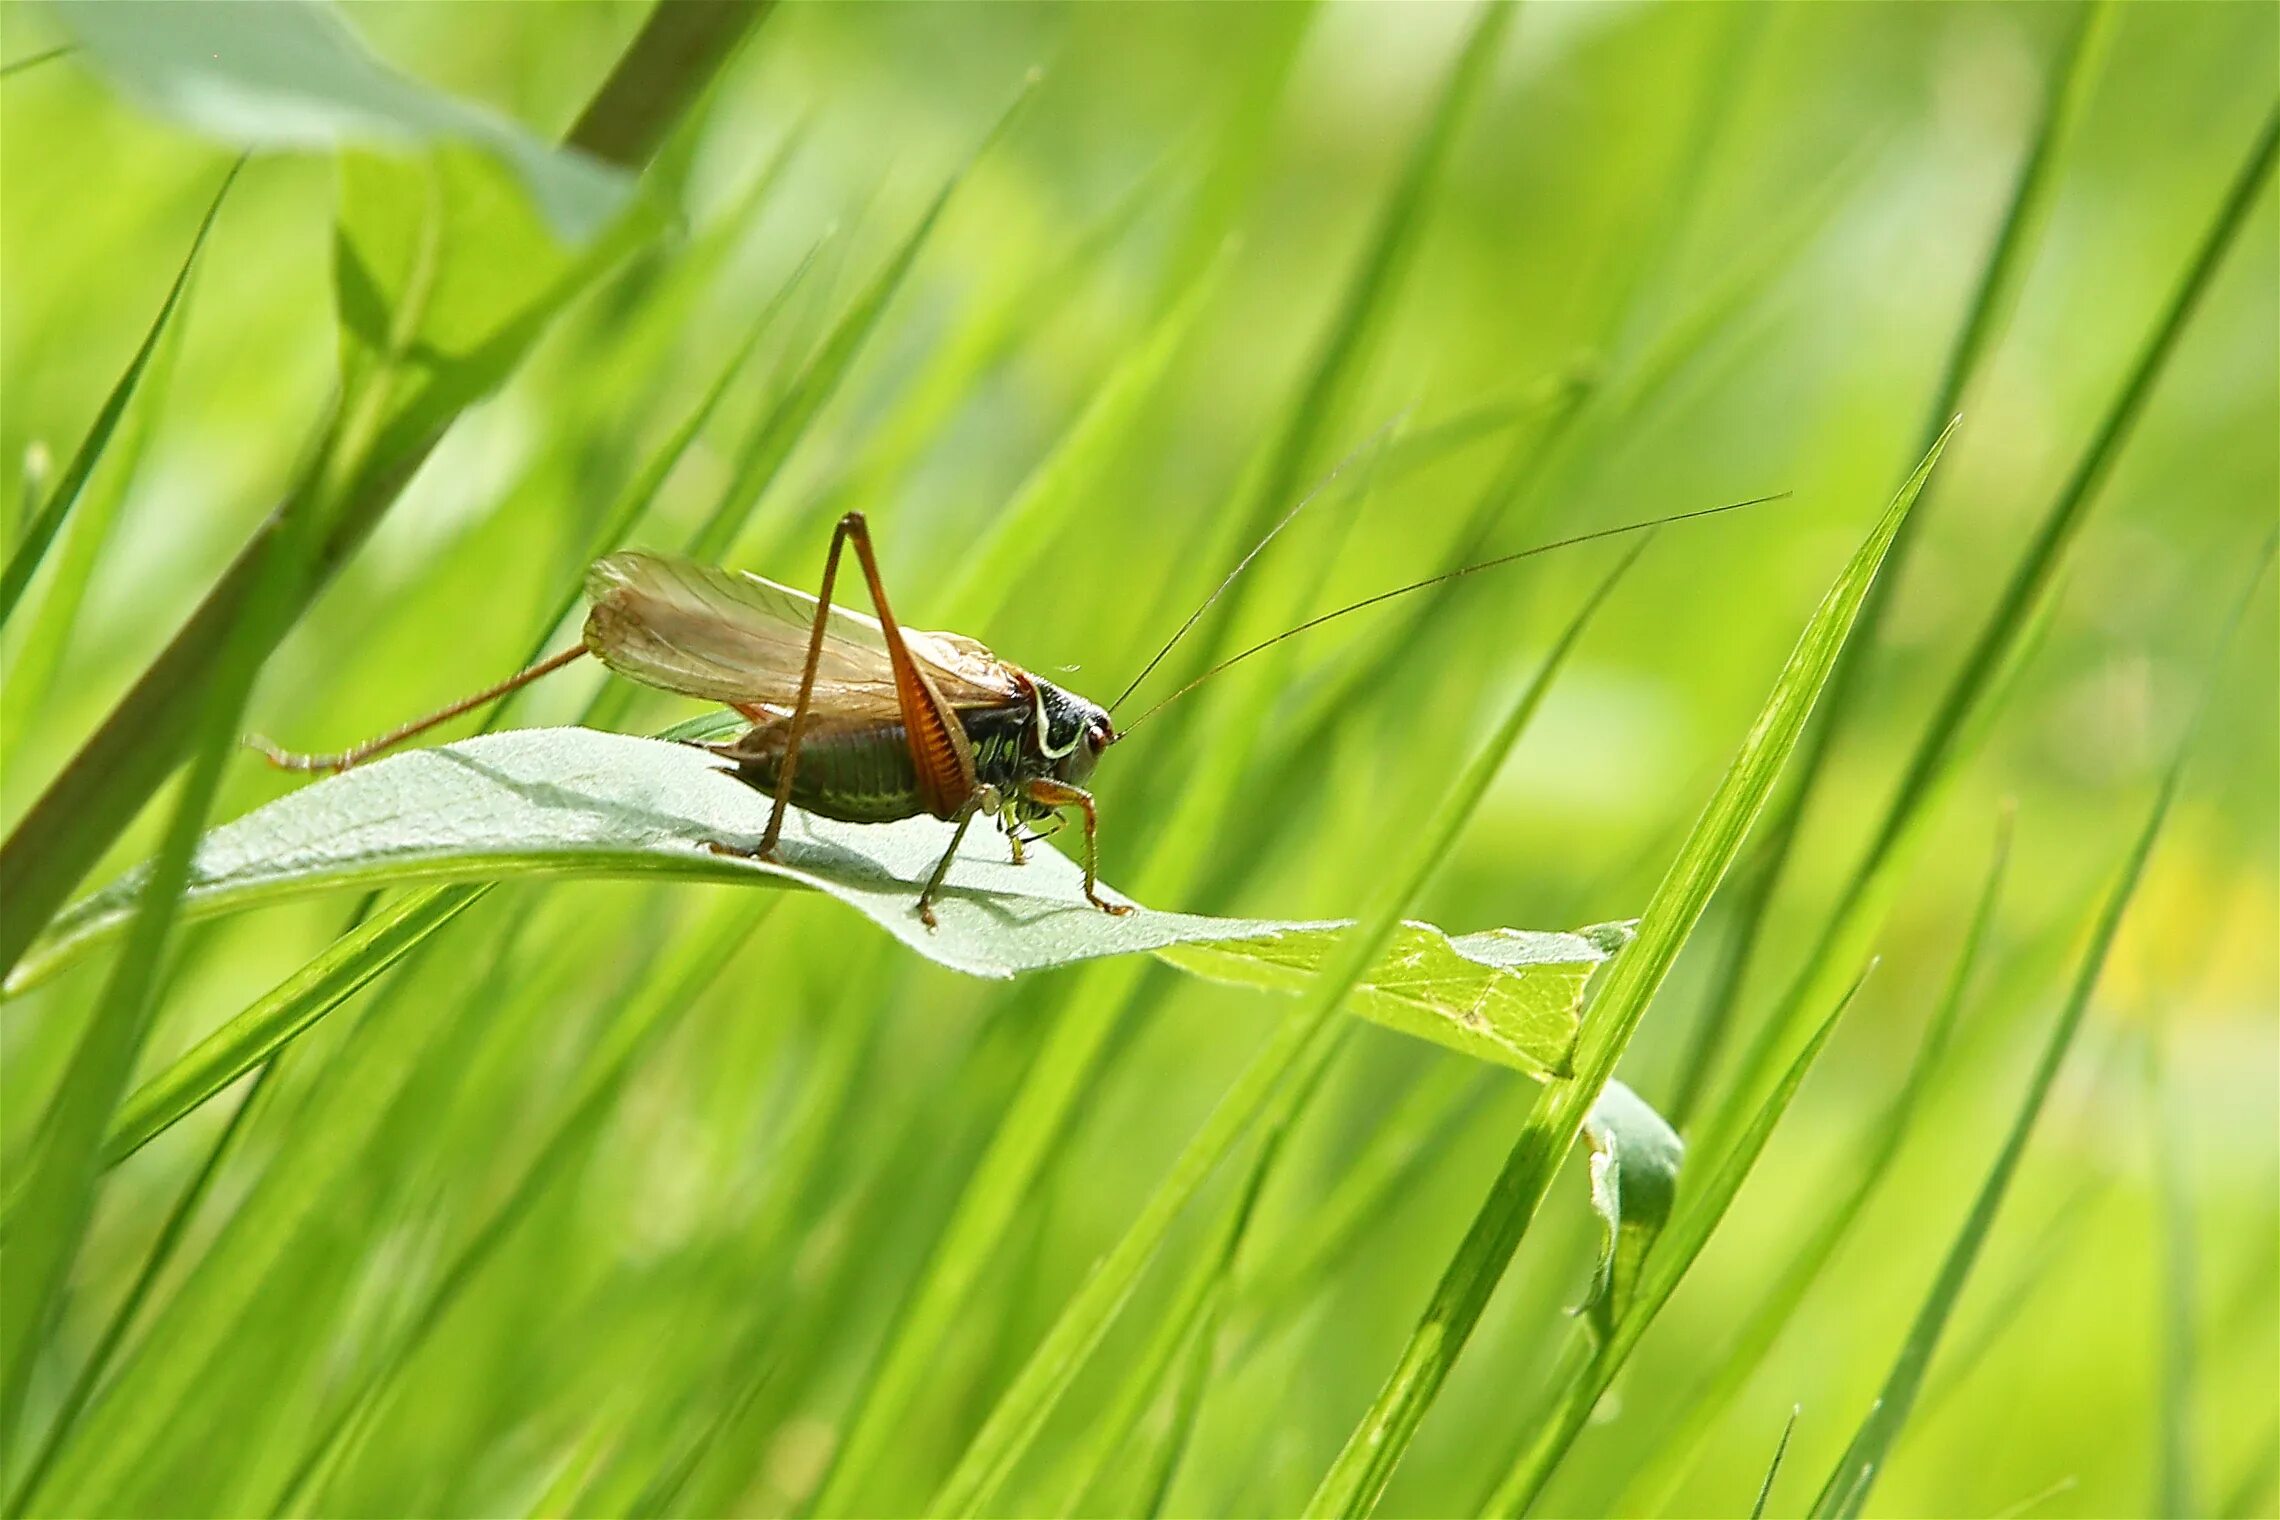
{"x":2042,"y":1259}
{"x":819,"y":379}
{"x":665,"y":69}
{"x":1773,"y":1468}
{"x":1183,"y":1331}
{"x":782,"y":1323}
{"x":1393,"y":244}
{"x":1642,"y":373}
{"x":993,"y":565}
{"x":2032,"y":579}
{"x":31,"y":490}
{"x":1855,"y":1474}
{"x":1964,"y":706}
{"x":1650,"y":1490}
{"x":122,"y":1318}
{"x":267,"y":1025}
{"x":640,"y":494}
{"x":2174,"y":1485}
{"x":15,"y":66}
{"x":1259,"y":1092}
{"x":1179,"y":1353}
{"x":1318,"y":405}
{"x":148,"y":732}
{"x":1417,"y":626}
{"x":1017,"y":1153}
{"x":58,"y":1196}
{"x":1027,"y":298}
{"x":1358,"y":1476}
{"x":695,"y":965}
{"x":230,"y":1296}
{"x":2000,"y":274}
{"x":50,"y":627}
{"x":32,"y":547}
{"x":1698,"y":1217}
{"x":2257,"y":1490}
{"x":1187,"y":1402}
{"x":1401,"y":1147}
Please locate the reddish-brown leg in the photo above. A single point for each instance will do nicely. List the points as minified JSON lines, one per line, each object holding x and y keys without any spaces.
{"x":966,"y":794}
{"x":848,"y":524}
{"x":1059,"y":794}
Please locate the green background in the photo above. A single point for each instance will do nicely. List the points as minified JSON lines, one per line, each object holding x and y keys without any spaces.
{"x":1746,"y":233}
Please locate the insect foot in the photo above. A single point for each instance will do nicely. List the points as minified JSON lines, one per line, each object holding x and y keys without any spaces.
{"x":292,"y":760}
{"x":1115,"y":909}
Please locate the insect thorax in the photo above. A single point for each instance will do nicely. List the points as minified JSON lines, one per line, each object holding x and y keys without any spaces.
{"x":1004,"y":740}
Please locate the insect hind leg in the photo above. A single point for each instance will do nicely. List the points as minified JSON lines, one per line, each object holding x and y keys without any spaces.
{"x":848,"y":526}
{"x":939,"y":751}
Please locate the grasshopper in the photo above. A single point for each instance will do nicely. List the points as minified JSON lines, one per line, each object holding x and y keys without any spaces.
{"x":857,"y":718}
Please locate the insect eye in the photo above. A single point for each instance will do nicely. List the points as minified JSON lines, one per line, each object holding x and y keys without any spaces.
{"x":1097,"y":737}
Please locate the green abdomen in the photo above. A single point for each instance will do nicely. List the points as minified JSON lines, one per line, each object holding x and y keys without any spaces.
{"x":854,"y":772}
{"x":860,"y":770}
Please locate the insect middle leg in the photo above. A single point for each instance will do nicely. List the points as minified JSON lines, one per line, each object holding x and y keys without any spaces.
{"x":984,"y":800}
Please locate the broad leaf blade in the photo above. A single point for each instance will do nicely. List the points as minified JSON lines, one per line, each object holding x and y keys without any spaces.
{"x":575,"y":801}
{"x":1635,"y":1157}
{"x":1506,"y":996}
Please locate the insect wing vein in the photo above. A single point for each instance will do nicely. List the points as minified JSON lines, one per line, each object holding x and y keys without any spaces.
{"x":732,"y":637}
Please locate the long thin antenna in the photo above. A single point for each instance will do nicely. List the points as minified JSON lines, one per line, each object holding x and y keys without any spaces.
{"x":289,"y":760}
{"x":1435,"y":580}
{"x":1303,"y":503}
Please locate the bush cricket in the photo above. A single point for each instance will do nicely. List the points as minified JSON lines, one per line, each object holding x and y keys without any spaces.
{"x":859,"y":719}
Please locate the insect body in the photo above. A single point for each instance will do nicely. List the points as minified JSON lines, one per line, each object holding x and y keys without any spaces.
{"x":853,"y":717}
{"x":857,"y":718}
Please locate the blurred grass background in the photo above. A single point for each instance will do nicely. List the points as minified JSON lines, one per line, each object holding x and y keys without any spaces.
{"x":1674,"y":255}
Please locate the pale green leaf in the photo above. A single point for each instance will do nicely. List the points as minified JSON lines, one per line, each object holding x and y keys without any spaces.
{"x":290,"y":74}
{"x":1635,"y":1157}
{"x":1506,"y":995}
{"x":573,"y":801}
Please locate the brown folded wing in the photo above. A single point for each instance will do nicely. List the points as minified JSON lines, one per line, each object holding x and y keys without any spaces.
{"x":732,"y":637}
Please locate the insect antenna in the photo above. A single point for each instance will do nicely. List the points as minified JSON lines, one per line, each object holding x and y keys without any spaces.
{"x":289,"y":760}
{"x":1365,"y":446}
{"x":1450,"y":575}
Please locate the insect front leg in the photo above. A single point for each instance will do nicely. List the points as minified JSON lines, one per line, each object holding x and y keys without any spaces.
{"x":985,"y":800}
{"x":1059,"y":794}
